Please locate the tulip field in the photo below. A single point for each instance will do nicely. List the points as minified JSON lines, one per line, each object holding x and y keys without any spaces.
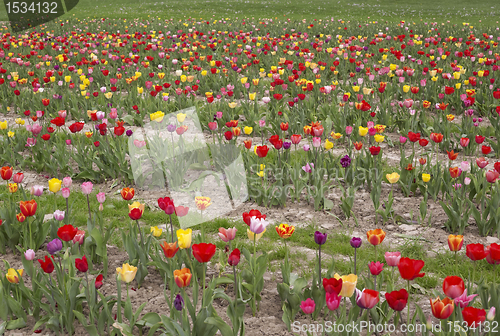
{"x":251,"y":173}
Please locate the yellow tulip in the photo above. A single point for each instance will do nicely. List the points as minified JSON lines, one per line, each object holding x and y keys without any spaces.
{"x":55,"y":185}
{"x":260,"y":174}
{"x":255,"y":81}
{"x":232,"y":105}
{"x":10,"y":134}
{"x":426,"y":177}
{"x":363,"y":131}
{"x":367,"y":91}
{"x":328,"y":144}
{"x":248,"y":130}
{"x":3,"y":125}
{"x":12,"y":275}
{"x":67,"y":79}
{"x":156,"y":231}
{"x":244,"y":80}
{"x":251,"y":96}
{"x":108,"y":95}
{"x":140,"y":90}
{"x":392,"y":178}
{"x":184,"y":238}
{"x":466,"y":82}
{"x":126,"y":272}
{"x":393,"y":67}
{"x":20,"y":121}
{"x":181,"y":117}
{"x":458,"y":86}
{"x":157,"y":116}
{"x":348,"y":284}
{"x":204,"y":73}
{"x":406,"y":88}
{"x":251,"y":235}
{"x":336,"y":136}
{"x":378,"y":138}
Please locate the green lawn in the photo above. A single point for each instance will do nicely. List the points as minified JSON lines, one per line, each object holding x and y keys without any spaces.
{"x":456,"y":11}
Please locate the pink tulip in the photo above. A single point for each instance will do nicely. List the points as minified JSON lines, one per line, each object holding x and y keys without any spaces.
{"x":29,"y":255}
{"x":87,"y":188}
{"x":463,"y":300}
{"x":67,"y":181}
{"x":80,"y":235}
{"x":348,"y":130}
{"x":227,"y":234}
{"x":308,"y":306}
{"x":59,"y":215}
{"x":376,"y":267}
{"x":392,"y":258}
{"x":65,"y":192}
{"x":37,"y":190}
{"x":101,"y":197}
{"x":402,"y":140}
{"x":332,"y":301}
{"x":18,"y":178}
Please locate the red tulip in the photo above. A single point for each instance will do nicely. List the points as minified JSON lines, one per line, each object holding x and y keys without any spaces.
{"x":262,"y":151}
{"x":98,"y":281}
{"x":497,"y":166}
{"x":367,"y":299}
{"x":423,"y":142}
{"x":473,"y":316}
{"x":28,"y":208}
{"x":464,"y":142}
{"x":203,"y":252}
{"x":449,"y":90}
{"x":248,"y":143}
{"x":81,"y":264}
{"x":476,"y":252}
{"x":453,"y":286}
{"x":494,"y":251}
{"x":67,"y":232}
{"x":296,"y":138}
{"x":167,"y":205}
{"x":479,"y":139}
{"x":414,"y":137}
{"x":410,"y":268}
{"x":436,"y":137}
{"x":481,"y":162}
{"x":127,"y":193}
{"x":374,"y":150}
{"x":228,"y":135}
{"x":234,"y":257}
{"x":332,"y":285}
{"x":6,"y":173}
{"x":397,"y":300}
{"x":47,"y":265}
{"x":486,"y":150}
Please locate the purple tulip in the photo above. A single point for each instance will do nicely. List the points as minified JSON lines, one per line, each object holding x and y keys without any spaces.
{"x":345,"y":162}
{"x":320,"y":238}
{"x":54,"y":246}
{"x":356,"y":242}
{"x":179,"y":302}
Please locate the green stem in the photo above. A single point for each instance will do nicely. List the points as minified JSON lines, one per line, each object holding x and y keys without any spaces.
{"x":408,"y":317}
{"x":119,"y":299}
{"x":203,"y":285}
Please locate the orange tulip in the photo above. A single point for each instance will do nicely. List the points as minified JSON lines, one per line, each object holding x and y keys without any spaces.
{"x":455,"y":242}
{"x":376,"y":236}
{"x":128,"y":193}
{"x":169,"y":249}
{"x":452,"y":155}
{"x":182,"y":277}
{"x":442,"y":309}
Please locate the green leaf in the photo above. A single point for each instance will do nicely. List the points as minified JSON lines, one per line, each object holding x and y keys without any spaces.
{"x":224,"y":328}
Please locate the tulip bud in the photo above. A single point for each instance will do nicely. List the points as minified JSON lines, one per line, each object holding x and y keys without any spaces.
{"x":179,"y":302}
{"x":18,"y":178}
{"x":59,"y":215}
{"x":491,"y":314}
